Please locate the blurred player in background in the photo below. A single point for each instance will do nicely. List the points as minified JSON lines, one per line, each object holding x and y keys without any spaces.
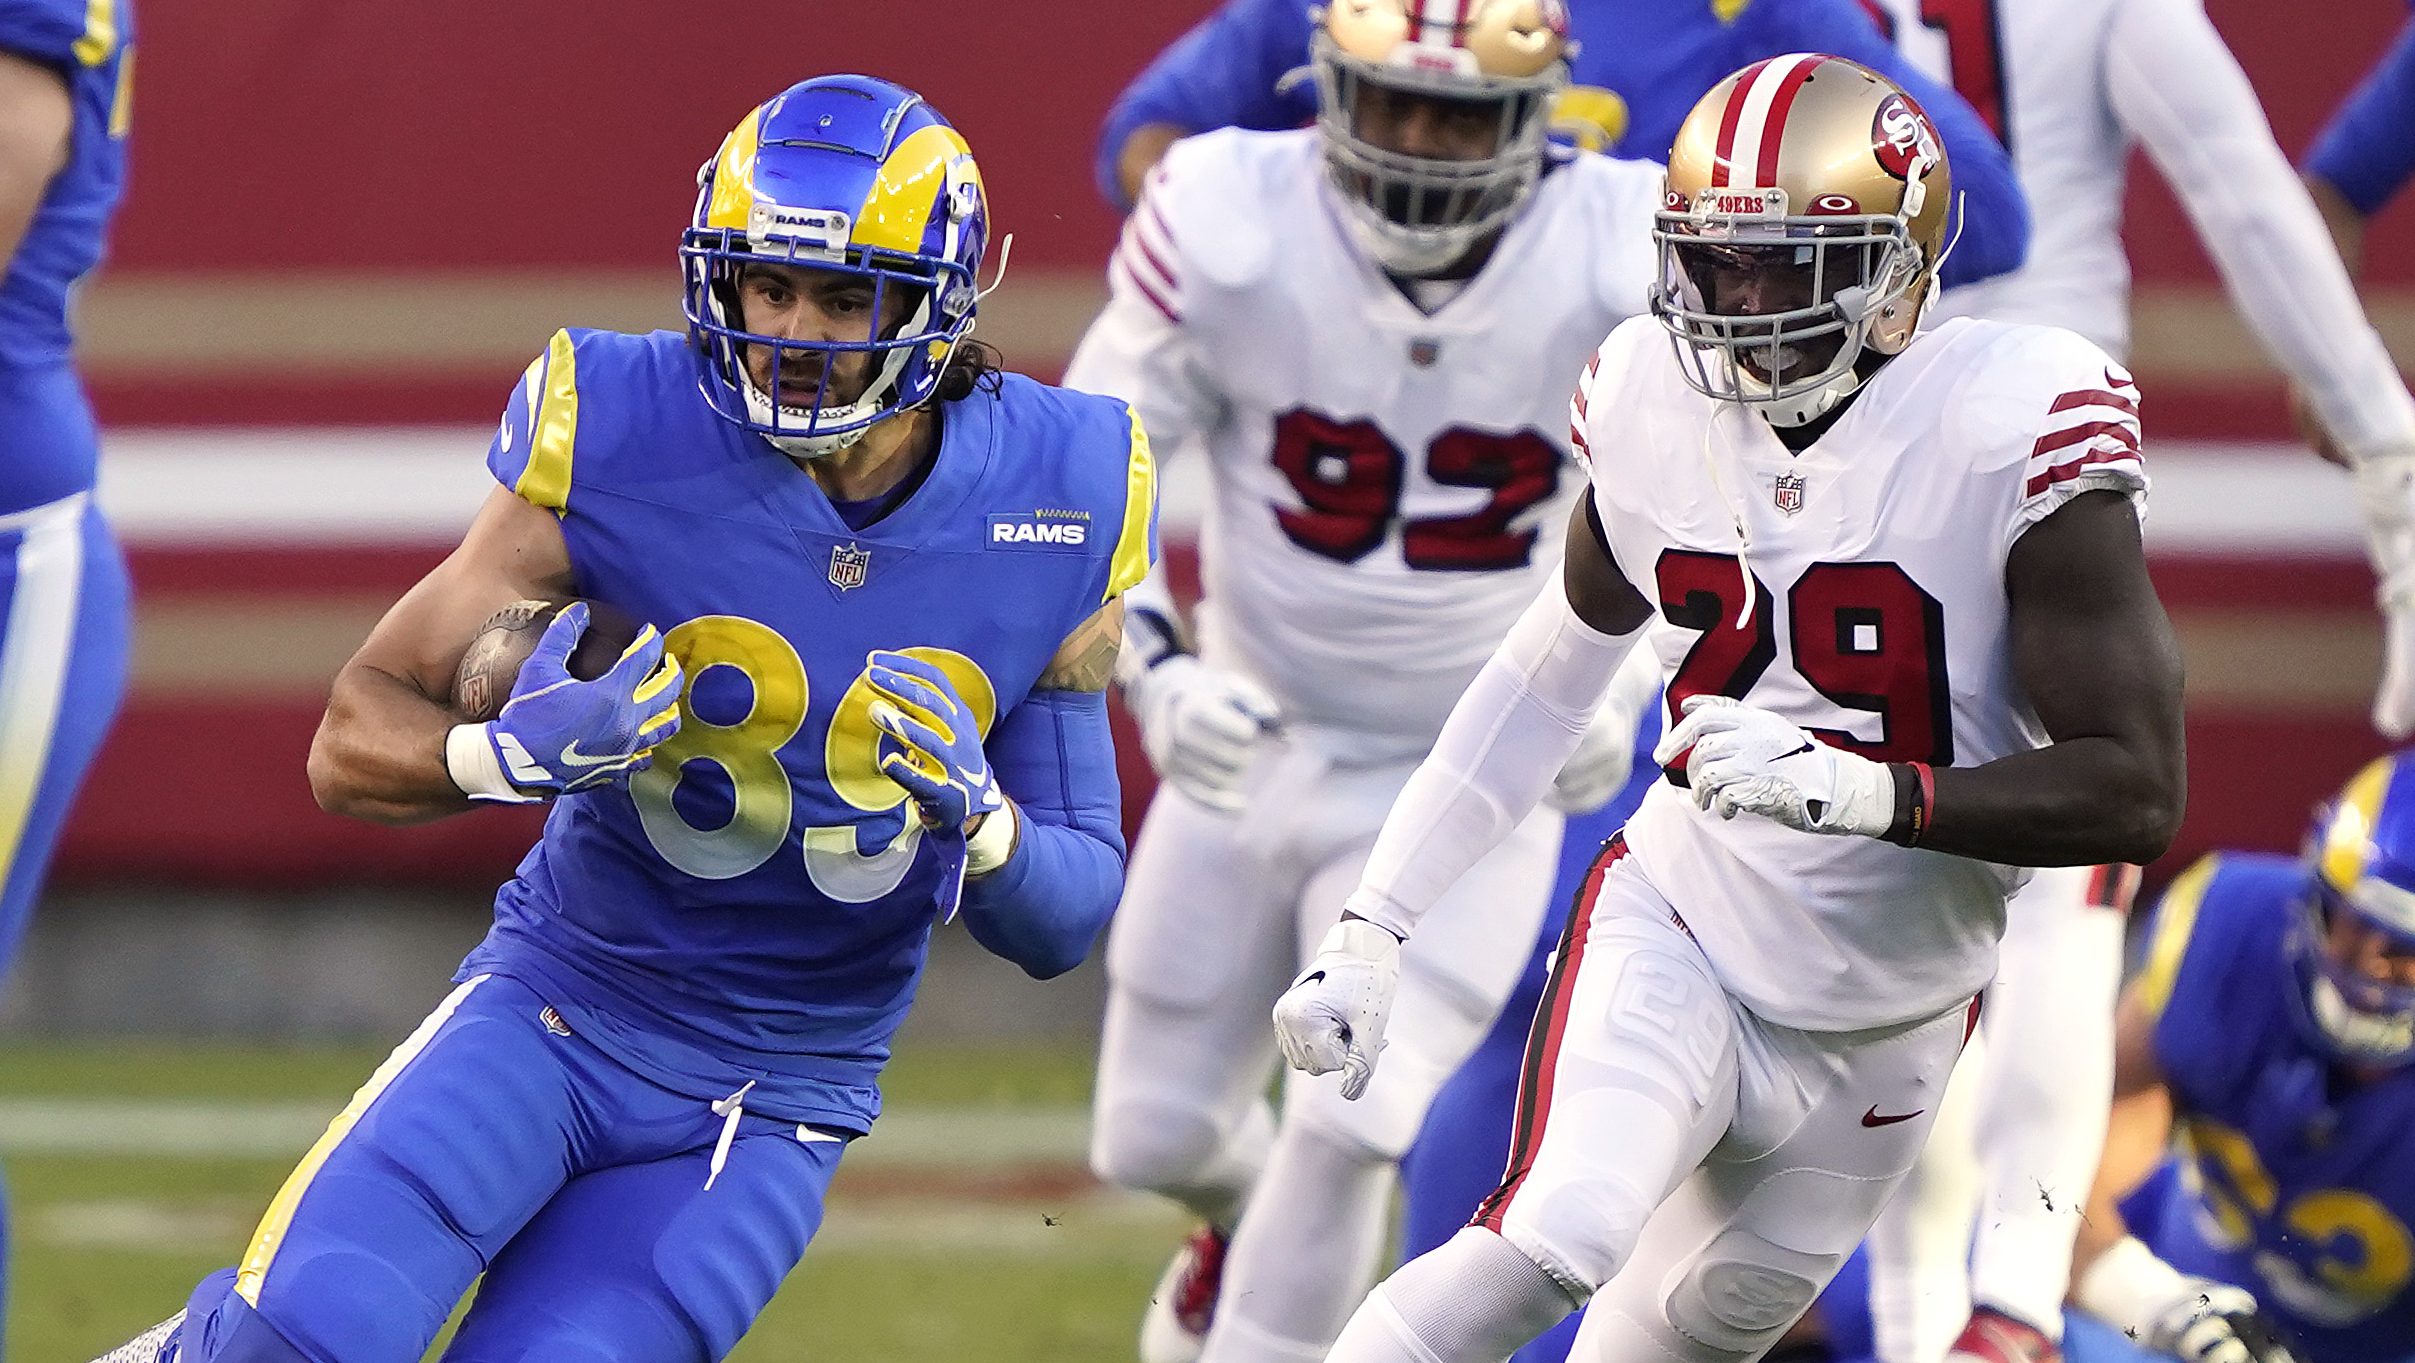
{"x":2364,"y":155}
{"x":890,"y":578}
{"x":66,"y":73}
{"x":1641,"y":64}
{"x":2271,"y":1029}
{"x":2071,"y":85}
{"x":1370,"y":326}
{"x":1636,"y":66}
{"x":1911,"y":633}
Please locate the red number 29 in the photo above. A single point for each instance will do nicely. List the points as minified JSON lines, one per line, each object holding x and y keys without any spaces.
{"x":1864,"y":635}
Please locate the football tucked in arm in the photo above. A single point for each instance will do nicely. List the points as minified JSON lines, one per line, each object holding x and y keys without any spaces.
{"x":484,"y":680}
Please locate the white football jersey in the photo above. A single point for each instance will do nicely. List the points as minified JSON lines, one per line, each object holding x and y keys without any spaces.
{"x":1389,"y":484}
{"x":2035,"y":70}
{"x":1856,"y":588}
{"x":2070,"y":85}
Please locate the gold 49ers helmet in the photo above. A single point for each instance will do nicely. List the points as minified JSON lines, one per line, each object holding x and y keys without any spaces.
{"x":1803,"y":224}
{"x":1434,"y":114}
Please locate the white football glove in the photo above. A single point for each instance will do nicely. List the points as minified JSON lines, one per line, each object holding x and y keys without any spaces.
{"x":2196,"y":1320}
{"x":2385,"y":486}
{"x":1333,"y":1016}
{"x":1747,"y":760}
{"x":1201,"y":726}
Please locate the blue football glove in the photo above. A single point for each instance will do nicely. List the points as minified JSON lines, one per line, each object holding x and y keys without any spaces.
{"x":930,"y":743}
{"x":558,"y":735}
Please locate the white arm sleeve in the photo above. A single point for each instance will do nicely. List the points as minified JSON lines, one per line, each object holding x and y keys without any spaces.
{"x":1507,"y":737}
{"x":2175,"y":85}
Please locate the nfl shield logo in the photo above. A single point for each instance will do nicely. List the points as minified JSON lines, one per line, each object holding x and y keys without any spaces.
{"x":1790,"y":494}
{"x":847,"y":565}
{"x":1424,"y":351}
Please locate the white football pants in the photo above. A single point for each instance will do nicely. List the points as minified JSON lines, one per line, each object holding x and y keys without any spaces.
{"x":1219,"y":914}
{"x":2013,"y":1158}
{"x":1695,"y":1170}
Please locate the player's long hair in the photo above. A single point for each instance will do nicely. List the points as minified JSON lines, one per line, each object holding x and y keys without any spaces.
{"x":976,"y":366}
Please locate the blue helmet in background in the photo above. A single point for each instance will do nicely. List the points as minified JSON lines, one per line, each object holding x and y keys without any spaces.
{"x":848,"y":174}
{"x":2360,"y":857}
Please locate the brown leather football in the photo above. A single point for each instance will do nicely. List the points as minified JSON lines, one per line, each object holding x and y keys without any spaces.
{"x":483,"y":681}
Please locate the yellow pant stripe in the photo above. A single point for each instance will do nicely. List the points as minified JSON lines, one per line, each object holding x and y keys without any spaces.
{"x":271,"y":1235}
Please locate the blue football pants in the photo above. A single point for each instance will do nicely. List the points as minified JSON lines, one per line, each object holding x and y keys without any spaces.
{"x":494,"y":1141}
{"x":65,"y":624}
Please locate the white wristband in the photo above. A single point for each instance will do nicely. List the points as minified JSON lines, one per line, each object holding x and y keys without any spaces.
{"x":993,"y":842}
{"x":470,"y":759}
{"x":2128,"y":1287}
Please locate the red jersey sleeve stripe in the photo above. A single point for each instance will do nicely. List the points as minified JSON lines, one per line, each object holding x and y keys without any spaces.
{"x":2093,"y":459}
{"x":2122,"y":432}
{"x":2096,"y":397}
{"x":1144,"y":259}
{"x":1156,"y":299}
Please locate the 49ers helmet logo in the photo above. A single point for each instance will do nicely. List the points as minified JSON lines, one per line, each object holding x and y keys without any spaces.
{"x":1901,"y":139}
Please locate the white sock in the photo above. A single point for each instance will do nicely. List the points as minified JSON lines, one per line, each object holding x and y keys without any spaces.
{"x":1305,"y":1250}
{"x":1474,"y":1299}
{"x":2047,"y":1087}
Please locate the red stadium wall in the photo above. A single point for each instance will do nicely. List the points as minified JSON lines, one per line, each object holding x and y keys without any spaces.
{"x":370,"y":215}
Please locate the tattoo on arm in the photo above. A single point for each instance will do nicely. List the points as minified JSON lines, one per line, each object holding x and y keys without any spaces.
{"x":1086,"y":660}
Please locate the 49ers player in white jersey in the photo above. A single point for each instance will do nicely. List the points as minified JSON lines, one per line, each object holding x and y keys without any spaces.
{"x":2070,"y":85}
{"x":1370,"y":326}
{"x":1915,"y":647}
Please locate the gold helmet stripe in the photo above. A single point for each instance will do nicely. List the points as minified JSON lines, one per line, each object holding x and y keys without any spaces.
{"x":1755,"y":126}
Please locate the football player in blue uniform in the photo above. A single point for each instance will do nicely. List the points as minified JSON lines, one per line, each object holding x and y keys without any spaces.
{"x":64,"y":72}
{"x":880,"y":584}
{"x":1638,"y":66}
{"x":2271,"y":1029}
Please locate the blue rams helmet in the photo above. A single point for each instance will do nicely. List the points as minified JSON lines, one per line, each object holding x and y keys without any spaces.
{"x":847,"y":174}
{"x":2361,"y":862}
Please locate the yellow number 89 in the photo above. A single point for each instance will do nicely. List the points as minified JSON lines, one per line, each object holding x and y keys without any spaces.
{"x":747,"y":751}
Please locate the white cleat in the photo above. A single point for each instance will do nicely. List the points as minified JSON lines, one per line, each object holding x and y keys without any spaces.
{"x":1184,"y":1302}
{"x":155,"y":1345}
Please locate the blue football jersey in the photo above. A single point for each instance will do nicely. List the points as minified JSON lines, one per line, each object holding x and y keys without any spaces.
{"x":756,"y":905}
{"x":2297,"y":1179}
{"x":52,"y":442}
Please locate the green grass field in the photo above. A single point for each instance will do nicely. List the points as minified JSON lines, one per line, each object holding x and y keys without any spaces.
{"x":964,"y":1229}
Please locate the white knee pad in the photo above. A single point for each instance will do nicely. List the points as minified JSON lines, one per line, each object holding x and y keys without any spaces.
{"x":1580,"y":1230}
{"x":1743,"y":1292}
{"x":1153,"y":1144}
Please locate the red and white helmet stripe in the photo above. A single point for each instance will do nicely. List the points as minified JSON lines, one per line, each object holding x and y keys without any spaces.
{"x":1755,"y":123}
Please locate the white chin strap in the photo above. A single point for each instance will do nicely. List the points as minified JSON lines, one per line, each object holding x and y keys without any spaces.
{"x":1799,"y":408}
{"x":2366,"y":1034}
{"x":759,"y":407}
{"x":1410,"y":255}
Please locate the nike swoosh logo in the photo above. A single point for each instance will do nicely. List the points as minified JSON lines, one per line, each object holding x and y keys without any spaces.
{"x":572,"y":757}
{"x":1796,"y":751}
{"x":1871,"y":1118}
